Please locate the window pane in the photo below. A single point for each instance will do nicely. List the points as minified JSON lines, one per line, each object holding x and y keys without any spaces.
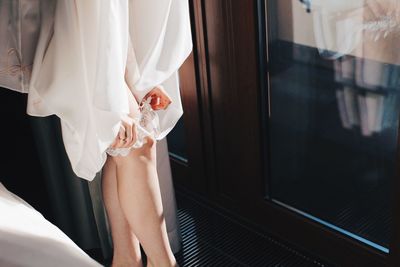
{"x":334,"y":100}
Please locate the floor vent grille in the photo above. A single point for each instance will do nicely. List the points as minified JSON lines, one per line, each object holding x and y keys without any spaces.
{"x":212,"y":239}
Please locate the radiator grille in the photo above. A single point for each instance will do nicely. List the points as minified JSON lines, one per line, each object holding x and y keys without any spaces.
{"x":212,"y":239}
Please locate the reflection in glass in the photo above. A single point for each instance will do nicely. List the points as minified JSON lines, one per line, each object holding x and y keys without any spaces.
{"x":334,"y":79}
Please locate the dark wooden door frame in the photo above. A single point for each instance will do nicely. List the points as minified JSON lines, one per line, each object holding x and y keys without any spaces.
{"x":224,"y":92}
{"x":191,"y":173}
{"x":198,"y":171}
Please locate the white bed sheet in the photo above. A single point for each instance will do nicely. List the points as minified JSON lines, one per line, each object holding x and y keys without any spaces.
{"x":28,"y":239}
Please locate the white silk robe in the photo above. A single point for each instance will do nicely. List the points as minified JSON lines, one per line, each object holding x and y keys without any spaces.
{"x":83,"y":51}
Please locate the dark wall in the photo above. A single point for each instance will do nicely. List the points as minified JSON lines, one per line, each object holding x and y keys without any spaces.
{"x":20,"y":169}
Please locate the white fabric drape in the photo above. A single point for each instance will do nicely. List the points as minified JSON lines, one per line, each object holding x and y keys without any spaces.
{"x":28,"y":239}
{"x":79,"y":67}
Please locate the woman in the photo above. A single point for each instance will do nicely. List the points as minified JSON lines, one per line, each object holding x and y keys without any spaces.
{"x":94,"y":61}
{"x":132,"y":195}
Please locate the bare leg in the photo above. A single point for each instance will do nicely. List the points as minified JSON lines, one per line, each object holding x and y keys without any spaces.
{"x":126,"y":245}
{"x":140,"y":198}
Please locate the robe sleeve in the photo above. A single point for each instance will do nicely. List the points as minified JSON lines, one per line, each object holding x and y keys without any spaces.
{"x":78,"y":75}
{"x":132,"y":74}
{"x":160,"y":33}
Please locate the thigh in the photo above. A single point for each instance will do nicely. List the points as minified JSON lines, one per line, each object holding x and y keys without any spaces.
{"x":146,"y":154}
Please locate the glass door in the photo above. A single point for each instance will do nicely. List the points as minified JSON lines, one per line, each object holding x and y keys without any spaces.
{"x":333,"y":91}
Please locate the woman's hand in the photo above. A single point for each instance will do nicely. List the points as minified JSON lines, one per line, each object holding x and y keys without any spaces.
{"x":127,"y":134}
{"x":159,"y":98}
{"x":128,"y":131}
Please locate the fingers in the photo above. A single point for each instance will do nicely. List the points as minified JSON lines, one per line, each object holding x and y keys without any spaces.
{"x":161,"y":103}
{"x":134,"y":136}
{"x":156,"y":100}
{"x":119,"y":139}
{"x":127,"y":139}
{"x":127,"y":134}
{"x":159,"y":98}
{"x":121,"y":133}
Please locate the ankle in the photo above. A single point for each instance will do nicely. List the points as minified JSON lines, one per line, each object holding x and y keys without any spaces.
{"x":165,"y":263}
{"x":120,"y":263}
{"x":122,"y":260}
